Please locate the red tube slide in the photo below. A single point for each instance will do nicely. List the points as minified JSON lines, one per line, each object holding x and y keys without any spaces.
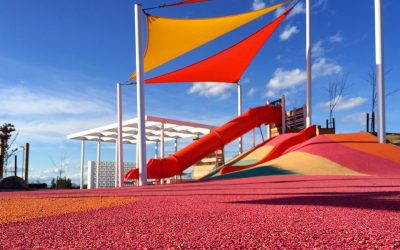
{"x":176,"y":163}
{"x":278,"y":150}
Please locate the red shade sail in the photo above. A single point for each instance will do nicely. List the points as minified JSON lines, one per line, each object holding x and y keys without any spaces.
{"x":186,"y":2}
{"x":226,"y":66}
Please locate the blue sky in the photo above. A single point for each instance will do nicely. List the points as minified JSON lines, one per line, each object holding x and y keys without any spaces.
{"x":60,"y":61}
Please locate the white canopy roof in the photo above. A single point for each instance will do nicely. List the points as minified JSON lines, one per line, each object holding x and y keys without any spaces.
{"x":173,"y":129}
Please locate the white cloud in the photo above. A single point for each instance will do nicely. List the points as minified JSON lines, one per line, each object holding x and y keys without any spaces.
{"x":322,"y":67}
{"x":357,"y":118}
{"x":251,"y":91}
{"x":258,"y":4}
{"x":350,"y":103}
{"x":245,"y":80}
{"x":53,"y":130}
{"x":298,"y":9}
{"x":48,"y":116}
{"x":22,"y":101}
{"x":322,"y":4}
{"x":215,"y":89}
{"x":345,"y":103}
{"x":317,"y":50}
{"x":288,"y":32}
{"x":336,"y":38}
{"x":284,"y":79}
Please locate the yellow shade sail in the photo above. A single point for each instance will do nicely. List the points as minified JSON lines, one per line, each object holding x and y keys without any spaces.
{"x":169,"y":38}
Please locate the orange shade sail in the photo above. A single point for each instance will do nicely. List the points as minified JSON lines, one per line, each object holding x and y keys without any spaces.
{"x":169,"y":38}
{"x":226,"y":66}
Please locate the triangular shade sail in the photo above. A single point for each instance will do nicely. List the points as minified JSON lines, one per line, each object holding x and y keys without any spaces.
{"x":186,"y":2}
{"x":169,"y":38}
{"x":226,"y":66}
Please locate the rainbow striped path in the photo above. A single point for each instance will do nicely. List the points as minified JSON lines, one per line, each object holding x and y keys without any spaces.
{"x":351,"y":154}
{"x":273,"y":212}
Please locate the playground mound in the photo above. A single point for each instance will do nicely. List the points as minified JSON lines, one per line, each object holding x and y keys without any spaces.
{"x":352,"y":154}
{"x":13,"y":183}
{"x":260,"y":212}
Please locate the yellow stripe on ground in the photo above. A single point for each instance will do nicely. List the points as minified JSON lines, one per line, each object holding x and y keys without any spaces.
{"x":309,"y":164}
{"x":259,"y":153}
{"x":253,"y":155}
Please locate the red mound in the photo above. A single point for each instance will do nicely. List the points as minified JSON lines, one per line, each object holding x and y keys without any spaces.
{"x":357,"y":151}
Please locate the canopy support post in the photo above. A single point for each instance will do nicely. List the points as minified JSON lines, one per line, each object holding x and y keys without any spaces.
{"x":283,"y":104}
{"x":82,"y":162}
{"x":120,"y":138}
{"x":308,"y":60}
{"x":116,"y":165}
{"x":162,"y":139}
{"x":141,"y":142}
{"x":239,"y":89}
{"x":380,"y":84}
{"x":98,"y":162}
{"x":176,"y":145}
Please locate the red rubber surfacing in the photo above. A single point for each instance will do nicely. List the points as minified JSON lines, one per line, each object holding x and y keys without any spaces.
{"x":263,"y":212}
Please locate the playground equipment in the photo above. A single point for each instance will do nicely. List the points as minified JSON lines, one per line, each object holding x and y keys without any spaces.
{"x":278,"y":150}
{"x":176,"y":163}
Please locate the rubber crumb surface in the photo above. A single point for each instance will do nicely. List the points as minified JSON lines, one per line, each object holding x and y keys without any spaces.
{"x":281,"y":212}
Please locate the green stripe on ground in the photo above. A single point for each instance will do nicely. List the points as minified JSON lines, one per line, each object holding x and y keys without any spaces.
{"x":244,"y":162}
{"x":253,"y":172}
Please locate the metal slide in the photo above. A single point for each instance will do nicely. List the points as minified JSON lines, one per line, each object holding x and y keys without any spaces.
{"x":176,"y":163}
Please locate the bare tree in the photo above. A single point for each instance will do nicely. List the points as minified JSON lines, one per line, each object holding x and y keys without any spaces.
{"x":336,"y":89}
{"x":59,"y":167}
{"x":371,"y":80}
{"x":5,"y":134}
{"x":61,"y":164}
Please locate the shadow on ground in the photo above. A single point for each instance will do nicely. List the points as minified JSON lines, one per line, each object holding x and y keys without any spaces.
{"x":387,"y":201}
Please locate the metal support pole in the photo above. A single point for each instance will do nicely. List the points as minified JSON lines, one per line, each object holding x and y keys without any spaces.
{"x":137,"y":157}
{"x":120,"y":137}
{"x":162,"y":146}
{"x":156,"y":150}
{"x":116,"y":165}
{"x":26,"y":161}
{"x":254,"y":137}
{"x":98,"y":163}
{"x":82,"y":162}
{"x":268,"y":127}
{"x":162,"y":140}
{"x":239,"y":89}
{"x":23,"y":160}
{"x":283,"y":104}
{"x":380,"y":84}
{"x":176,"y":150}
{"x":141,"y":142}
{"x":373,"y":122}
{"x":308,"y":61}
{"x":15,"y":165}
